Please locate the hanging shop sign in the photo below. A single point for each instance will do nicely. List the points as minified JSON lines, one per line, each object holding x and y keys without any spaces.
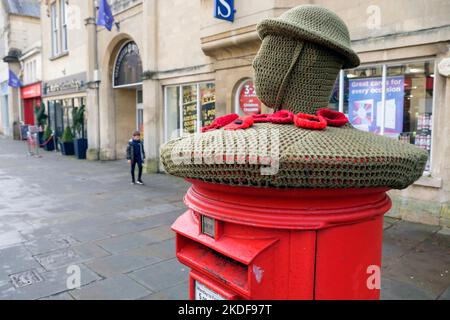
{"x":128,"y":66}
{"x":31,"y":91}
{"x":365,"y":104}
{"x":67,"y":85}
{"x":224,"y":10}
{"x":248,"y":100}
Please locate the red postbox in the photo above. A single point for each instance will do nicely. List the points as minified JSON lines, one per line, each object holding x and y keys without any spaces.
{"x":248,"y":243}
{"x":310,"y":226}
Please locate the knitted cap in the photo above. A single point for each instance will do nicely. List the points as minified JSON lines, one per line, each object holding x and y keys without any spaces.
{"x":315,"y":24}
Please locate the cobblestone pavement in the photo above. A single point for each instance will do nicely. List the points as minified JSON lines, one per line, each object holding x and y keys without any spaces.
{"x":57,"y":212}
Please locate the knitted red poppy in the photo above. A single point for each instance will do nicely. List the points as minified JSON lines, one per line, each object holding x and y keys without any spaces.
{"x":333,"y":118}
{"x":261,"y":118}
{"x":309,"y":121}
{"x":221,"y":122}
{"x":282,"y":116}
{"x":240,"y":123}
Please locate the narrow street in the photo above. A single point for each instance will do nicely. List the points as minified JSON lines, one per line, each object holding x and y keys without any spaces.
{"x":57,"y":212}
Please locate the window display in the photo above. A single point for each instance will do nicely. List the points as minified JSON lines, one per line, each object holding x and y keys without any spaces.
{"x":208,"y":103}
{"x":403,"y":90}
{"x":188,"y":108}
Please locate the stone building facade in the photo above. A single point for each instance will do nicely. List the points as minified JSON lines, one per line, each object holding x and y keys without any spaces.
{"x":171,"y":66}
{"x":20,"y":32}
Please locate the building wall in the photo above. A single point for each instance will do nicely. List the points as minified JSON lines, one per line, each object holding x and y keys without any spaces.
{"x":181,"y":42}
{"x":75,"y":60}
{"x":22,"y":33}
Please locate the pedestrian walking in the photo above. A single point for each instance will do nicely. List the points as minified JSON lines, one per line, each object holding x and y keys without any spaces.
{"x":136,"y":156}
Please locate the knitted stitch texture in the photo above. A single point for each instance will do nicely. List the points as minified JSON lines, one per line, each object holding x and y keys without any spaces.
{"x":315,"y":24}
{"x":296,"y":76}
{"x":331,"y":158}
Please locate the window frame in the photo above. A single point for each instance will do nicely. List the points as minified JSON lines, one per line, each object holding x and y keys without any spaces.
{"x":63,"y":19}
{"x":385,"y":65}
{"x":54,"y":21}
{"x":180,"y":87}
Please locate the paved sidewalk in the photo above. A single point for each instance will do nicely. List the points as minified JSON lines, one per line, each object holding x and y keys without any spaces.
{"x":57,"y":212}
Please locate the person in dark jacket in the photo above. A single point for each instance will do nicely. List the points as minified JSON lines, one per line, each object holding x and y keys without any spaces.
{"x":136,"y":156}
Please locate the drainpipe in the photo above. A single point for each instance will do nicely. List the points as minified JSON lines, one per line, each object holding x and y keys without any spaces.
{"x":93,"y":80}
{"x":96,"y":78}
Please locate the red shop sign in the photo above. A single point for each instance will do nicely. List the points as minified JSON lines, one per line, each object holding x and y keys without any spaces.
{"x":32,"y":91}
{"x":248,"y":100}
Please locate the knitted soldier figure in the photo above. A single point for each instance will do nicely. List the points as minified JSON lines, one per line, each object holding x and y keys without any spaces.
{"x":296,"y":68}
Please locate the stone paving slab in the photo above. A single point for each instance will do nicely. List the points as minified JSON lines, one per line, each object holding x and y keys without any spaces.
{"x":54,"y":282}
{"x":178,"y":292}
{"x":398,"y":290}
{"x":116,"y":288}
{"x":161,"y":276}
{"x":72,"y":255}
{"x":58,"y":211}
{"x":121,"y":263}
{"x":426,"y":267}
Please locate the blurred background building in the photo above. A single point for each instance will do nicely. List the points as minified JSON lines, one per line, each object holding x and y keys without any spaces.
{"x":168,"y":67}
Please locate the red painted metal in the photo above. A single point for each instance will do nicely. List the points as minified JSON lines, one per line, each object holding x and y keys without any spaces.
{"x":283,"y":243}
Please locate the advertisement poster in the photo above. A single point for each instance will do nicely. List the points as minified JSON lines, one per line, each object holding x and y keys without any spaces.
{"x":365,"y":104}
{"x":248,"y":100}
{"x":208,"y":94}
{"x":190,"y":109}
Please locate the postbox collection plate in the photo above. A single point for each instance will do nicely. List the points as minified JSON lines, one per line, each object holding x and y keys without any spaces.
{"x":209,"y":226}
{"x":202,"y":292}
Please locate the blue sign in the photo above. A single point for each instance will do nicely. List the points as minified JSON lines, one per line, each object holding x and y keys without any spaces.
{"x":224,"y":10}
{"x":365,"y":104}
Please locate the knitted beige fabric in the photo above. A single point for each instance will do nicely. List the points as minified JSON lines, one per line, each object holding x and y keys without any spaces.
{"x":296,"y":68}
{"x":333,"y":158}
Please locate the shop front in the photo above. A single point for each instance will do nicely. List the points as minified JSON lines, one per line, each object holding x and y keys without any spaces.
{"x":61,"y":97}
{"x":391,"y":99}
{"x":31,"y":98}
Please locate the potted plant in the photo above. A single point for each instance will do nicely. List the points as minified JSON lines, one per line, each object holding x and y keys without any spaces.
{"x":80,"y":142}
{"x":49,"y":142}
{"x":41,"y":121}
{"x":66,"y":142}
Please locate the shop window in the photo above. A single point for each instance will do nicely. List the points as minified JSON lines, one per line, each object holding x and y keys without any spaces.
{"x":190,"y":101}
{"x":208,"y":103}
{"x":188,"y":108}
{"x":403,"y":90}
{"x":246,"y":100}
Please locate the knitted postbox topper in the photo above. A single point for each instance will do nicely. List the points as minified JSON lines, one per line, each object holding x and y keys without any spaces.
{"x":301,"y":54}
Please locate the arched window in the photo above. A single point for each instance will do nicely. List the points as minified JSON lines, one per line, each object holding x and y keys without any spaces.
{"x":128,"y":67}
